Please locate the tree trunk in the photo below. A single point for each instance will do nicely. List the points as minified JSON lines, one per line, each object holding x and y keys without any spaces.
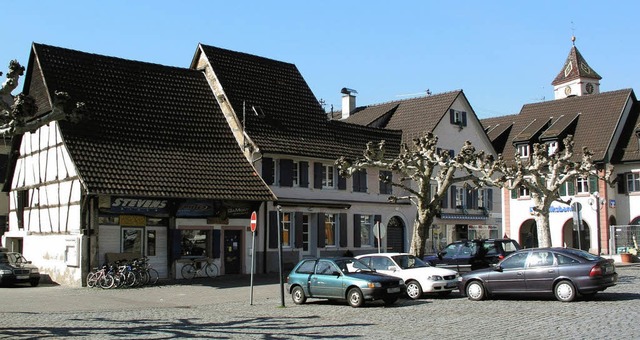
{"x":420,"y":234}
{"x":544,"y":232}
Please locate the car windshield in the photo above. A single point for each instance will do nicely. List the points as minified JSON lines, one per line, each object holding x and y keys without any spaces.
{"x":13,"y":258}
{"x":353,"y":266}
{"x":408,"y":261}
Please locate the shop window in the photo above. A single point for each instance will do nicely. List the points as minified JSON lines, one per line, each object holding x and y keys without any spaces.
{"x":194,"y":242}
{"x":151,"y":243}
{"x":132,"y":240}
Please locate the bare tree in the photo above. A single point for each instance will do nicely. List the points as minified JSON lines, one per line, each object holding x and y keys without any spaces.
{"x":418,"y":168}
{"x":542,"y":175}
{"x":17,"y":113}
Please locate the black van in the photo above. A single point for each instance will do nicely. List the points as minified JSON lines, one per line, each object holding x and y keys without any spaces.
{"x":467,"y":255}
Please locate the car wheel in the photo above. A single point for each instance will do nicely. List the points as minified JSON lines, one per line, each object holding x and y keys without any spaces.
{"x":414,"y":290}
{"x":297,"y":295}
{"x":389,"y":300}
{"x":565,"y":291}
{"x":34,"y":282}
{"x":355,"y":298}
{"x":475,"y":291}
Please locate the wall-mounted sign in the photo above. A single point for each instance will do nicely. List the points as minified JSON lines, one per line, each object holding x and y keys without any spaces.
{"x":196,"y":208}
{"x":138,"y":205}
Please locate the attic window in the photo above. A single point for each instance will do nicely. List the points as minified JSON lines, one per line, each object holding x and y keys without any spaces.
{"x":523,"y":150}
{"x":458,"y":117}
{"x":552,"y":147}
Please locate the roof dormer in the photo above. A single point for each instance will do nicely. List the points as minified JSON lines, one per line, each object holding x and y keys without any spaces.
{"x":576,"y":78}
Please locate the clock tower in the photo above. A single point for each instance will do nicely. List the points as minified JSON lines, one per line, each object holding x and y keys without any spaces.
{"x":576,"y":78}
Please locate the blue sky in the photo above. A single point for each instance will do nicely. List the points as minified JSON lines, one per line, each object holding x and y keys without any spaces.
{"x":503,"y":54}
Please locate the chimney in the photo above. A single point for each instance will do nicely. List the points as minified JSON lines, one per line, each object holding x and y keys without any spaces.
{"x":348,"y":101}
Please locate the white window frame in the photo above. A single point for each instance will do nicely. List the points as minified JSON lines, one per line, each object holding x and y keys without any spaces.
{"x":523,"y":150}
{"x":366,"y":227}
{"x":331,"y":222}
{"x":328,"y":176}
{"x":295,"y":174}
{"x":287,"y":224}
{"x":461,"y":197}
{"x":633,"y":181}
{"x":582,"y":185}
{"x":523,"y":191}
{"x":552,"y":147}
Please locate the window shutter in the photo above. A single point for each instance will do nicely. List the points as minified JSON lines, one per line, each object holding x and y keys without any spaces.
{"x":342,"y":183}
{"x":474,"y":198}
{"x":343,"y":230}
{"x":444,"y":202}
{"x":622,"y":184}
{"x":355,"y":181}
{"x":452,"y":153}
{"x":363,"y":180}
{"x":304,"y":174}
{"x":454,"y":194}
{"x":267,"y":170}
{"x":563,"y":190}
{"x":286,"y":172}
{"x":464,"y":118}
{"x":452,"y":116}
{"x":489,"y":199}
{"x":297,"y":217}
{"x":322,"y":234}
{"x":572,"y":188}
{"x":593,"y":184}
{"x":317,"y":175}
{"x":273,"y":229}
{"x":469,"y":202}
{"x":514,"y":193}
{"x":356,"y":231}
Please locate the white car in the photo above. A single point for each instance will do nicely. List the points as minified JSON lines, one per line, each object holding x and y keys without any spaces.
{"x":418,"y":276}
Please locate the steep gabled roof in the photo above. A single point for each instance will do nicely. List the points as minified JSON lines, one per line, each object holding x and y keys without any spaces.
{"x":292,"y":121}
{"x":153,"y":130}
{"x":575,"y":67}
{"x":414,"y":116}
{"x":628,"y":149}
{"x":599,"y":117}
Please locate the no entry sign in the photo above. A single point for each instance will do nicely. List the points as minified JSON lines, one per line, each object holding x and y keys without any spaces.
{"x":254,"y":221}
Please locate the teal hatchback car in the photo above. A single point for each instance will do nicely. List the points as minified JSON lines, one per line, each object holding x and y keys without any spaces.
{"x":343,"y":278}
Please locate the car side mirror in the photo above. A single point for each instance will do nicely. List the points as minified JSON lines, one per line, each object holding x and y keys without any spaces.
{"x":392,"y":268}
{"x":497,"y":267}
{"x":336,"y":273}
{"x":441,"y":254}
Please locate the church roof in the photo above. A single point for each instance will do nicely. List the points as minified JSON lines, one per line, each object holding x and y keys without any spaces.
{"x":575,"y":67}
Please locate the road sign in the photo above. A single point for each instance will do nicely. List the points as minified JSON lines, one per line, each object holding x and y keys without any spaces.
{"x":379,"y":230}
{"x":254,"y":221}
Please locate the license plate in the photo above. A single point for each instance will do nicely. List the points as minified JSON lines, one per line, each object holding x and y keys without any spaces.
{"x":393,"y":290}
{"x":451,"y":285}
{"x":22,"y":277}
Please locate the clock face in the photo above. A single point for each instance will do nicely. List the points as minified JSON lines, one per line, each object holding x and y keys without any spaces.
{"x":567,"y":90}
{"x":589,"y":88}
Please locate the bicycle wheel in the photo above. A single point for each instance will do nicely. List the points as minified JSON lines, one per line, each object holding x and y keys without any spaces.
{"x":106,"y":281}
{"x":92,"y":279}
{"x":130,"y":279}
{"x":153,"y":276}
{"x":188,"y":271}
{"x":142,"y":277}
{"x":211,"y":269}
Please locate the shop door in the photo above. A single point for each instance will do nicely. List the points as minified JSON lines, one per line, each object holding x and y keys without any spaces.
{"x":232,"y":252}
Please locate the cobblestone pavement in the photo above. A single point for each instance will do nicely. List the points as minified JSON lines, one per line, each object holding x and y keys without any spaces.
{"x":220,"y":309}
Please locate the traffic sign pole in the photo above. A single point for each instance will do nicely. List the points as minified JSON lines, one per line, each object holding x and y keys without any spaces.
{"x":254,"y":223}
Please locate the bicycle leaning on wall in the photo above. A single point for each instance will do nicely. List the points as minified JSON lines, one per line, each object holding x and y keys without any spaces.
{"x":199,"y":267}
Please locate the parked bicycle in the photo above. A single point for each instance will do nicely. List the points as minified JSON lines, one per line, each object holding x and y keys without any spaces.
{"x":203,"y":266}
{"x":123,"y":273}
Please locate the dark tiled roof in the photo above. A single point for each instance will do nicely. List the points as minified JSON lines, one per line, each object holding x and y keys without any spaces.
{"x":414,"y":116}
{"x":535,"y":127}
{"x":599,"y":116}
{"x":629,"y":146}
{"x":579,"y":68}
{"x":293,"y":123}
{"x":560,"y":126}
{"x":154,"y":130}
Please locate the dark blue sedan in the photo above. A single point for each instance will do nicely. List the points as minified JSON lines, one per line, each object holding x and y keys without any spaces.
{"x":563,"y":272}
{"x":342,"y":278}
